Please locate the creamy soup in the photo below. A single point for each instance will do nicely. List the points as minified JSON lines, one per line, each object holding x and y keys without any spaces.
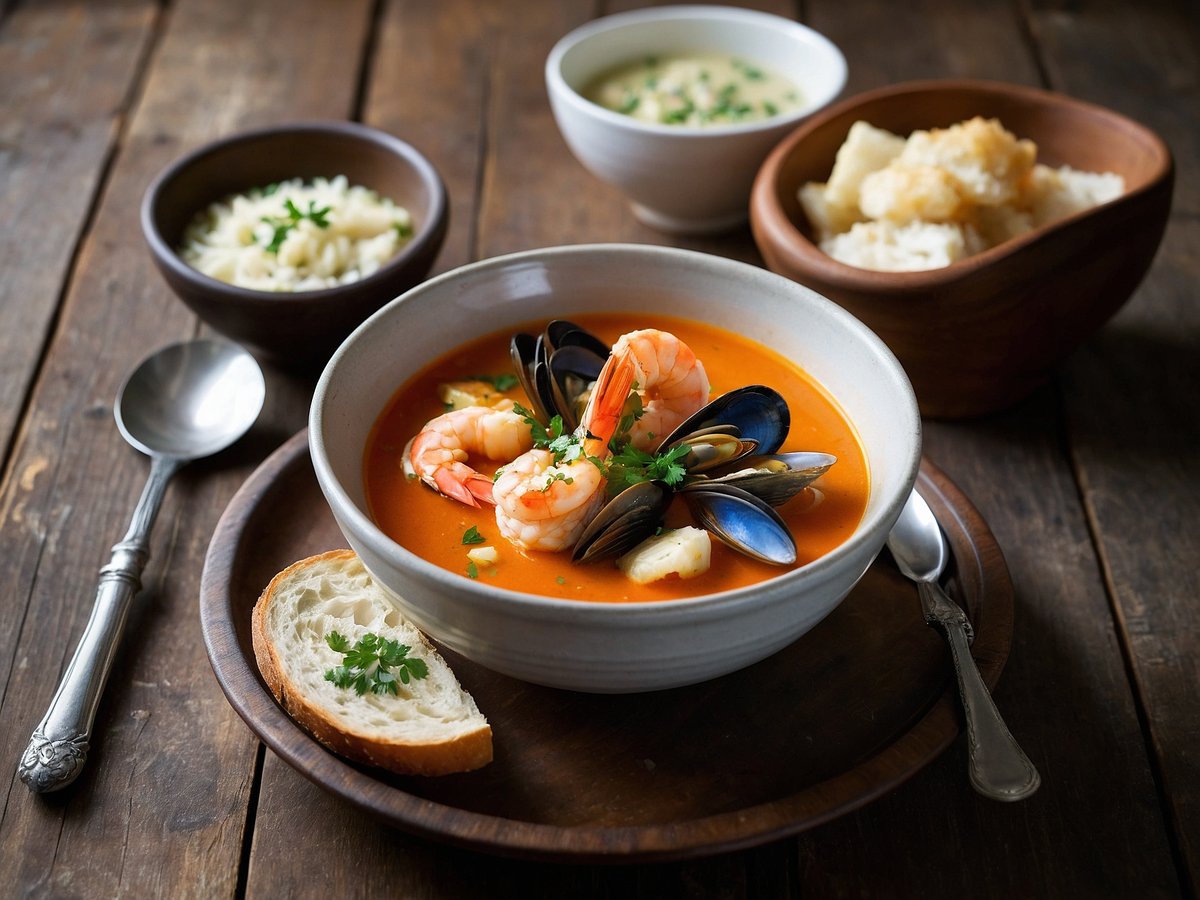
{"x":698,"y":90}
{"x":444,"y":531}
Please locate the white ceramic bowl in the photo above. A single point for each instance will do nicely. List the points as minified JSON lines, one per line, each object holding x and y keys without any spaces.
{"x":685,"y":179}
{"x":596,"y":646}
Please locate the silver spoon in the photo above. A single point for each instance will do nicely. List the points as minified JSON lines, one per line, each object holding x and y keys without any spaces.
{"x":998,"y":766}
{"x":186,"y":401}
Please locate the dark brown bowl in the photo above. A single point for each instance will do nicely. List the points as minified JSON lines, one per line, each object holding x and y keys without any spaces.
{"x":300,"y":329}
{"x":983,"y":332}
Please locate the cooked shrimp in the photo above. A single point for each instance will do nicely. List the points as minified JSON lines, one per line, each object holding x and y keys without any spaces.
{"x":670,"y":380}
{"x":439,"y":453}
{"x":542,"y":504}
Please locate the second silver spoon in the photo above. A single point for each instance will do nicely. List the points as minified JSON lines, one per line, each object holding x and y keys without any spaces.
{"x":999,"y":767}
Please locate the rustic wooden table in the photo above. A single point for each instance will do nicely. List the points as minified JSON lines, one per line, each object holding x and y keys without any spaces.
{"x":1092,"y":487}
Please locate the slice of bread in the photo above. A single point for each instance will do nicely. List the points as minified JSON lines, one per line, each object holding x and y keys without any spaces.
{"x":432,"y":727}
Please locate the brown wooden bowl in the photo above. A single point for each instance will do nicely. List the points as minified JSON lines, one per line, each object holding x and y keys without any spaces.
{"x":301,"y":329}
{"x":983,"y":332}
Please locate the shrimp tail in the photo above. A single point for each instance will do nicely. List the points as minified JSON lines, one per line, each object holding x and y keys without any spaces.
{"x":607,"y":402}
{"x":470,"y":489}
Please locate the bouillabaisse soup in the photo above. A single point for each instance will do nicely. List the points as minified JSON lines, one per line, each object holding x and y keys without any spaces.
{"x":443,"y":530}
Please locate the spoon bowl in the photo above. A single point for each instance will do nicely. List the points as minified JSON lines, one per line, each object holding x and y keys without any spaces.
{"x":190,"y":399}
{"x":916,"y":541}
{"x":186,"y":401}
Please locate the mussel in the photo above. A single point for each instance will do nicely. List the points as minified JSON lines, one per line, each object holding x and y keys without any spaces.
{"x":744,"y":522}
{"x":734,"y":479}
{"x":758,"y":416}
{"x":624,"y":522}
{"x":556,"y":367}
{"x":773,"y":478}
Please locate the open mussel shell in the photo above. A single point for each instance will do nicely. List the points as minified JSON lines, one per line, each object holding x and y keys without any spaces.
{"x":773,"y":478}
{"x":757,"y":412}
{"x":744,"y":522}
{"x":572,"y":369}
{"x":624,"y":522}
{"x":556,"y":367}
{"x":562,"y":333}
{"x":523,"y":351}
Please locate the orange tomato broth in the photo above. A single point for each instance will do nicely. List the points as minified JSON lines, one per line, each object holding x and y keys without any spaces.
{"x":432,"y":526}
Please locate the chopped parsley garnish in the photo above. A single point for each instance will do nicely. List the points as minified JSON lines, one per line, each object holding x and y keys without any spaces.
{"x":633,"y":411}
{"x":675,"y":116}
{"x":631,"y":465}
{"x":366,"y":665}
{"x":281,"y":226}
{"x":751,"y":72}
{"x":472,"y":569}
{"x":566,"y":447}
{"x":472,"y":536}
{"x":543,"y":435}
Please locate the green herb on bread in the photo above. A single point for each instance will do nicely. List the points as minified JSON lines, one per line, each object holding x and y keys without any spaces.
{"x":368,"y":663}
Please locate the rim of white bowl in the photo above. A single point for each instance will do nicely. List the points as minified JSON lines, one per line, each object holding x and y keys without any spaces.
{"x":635,"y":611}
{"x":802,"y":33}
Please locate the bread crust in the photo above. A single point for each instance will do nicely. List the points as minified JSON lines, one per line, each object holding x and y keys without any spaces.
{"x":465,"y":752}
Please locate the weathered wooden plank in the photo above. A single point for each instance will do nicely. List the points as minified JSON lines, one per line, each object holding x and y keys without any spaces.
{"x":160,"y":810}
{"x":1064,"y":694}
{"x":1130,"y":393}
{"x":429,"y":85}
{"x":69,"y":68}
{"x":1064,"y":691}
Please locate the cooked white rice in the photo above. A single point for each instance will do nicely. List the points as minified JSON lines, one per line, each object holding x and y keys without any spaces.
{"x":333,"y":233}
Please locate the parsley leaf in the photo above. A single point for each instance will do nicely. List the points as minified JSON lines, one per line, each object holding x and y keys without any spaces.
{"x":631,"y":465}
{"x":472,"y":536}
{"x":543,"y":435}
{"x":281,"y":226}
{"x":566,"y":447}
{"x":366,"y":665}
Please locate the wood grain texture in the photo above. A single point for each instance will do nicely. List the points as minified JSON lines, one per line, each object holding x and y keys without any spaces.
{"x":1130,"y":395}
{"x":170,"y":769}
{"x":1090,"y":486}
{"x":1061,"y":615}
{"x":69,"y":71}
{"x":430,"y":85}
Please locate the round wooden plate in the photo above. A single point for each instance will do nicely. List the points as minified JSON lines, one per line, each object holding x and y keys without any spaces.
{"x":843,"y":715}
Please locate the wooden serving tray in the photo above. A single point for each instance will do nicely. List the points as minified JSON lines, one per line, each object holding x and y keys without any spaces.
{"x":843,"y":715}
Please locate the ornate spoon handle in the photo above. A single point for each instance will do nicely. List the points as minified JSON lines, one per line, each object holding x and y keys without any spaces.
{"x":59,"y":746}
{"x":998,"y":766}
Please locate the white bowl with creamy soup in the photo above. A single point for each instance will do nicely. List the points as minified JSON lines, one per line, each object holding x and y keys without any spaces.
{"x":538,"y":615}
{"x":677,"y":106}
